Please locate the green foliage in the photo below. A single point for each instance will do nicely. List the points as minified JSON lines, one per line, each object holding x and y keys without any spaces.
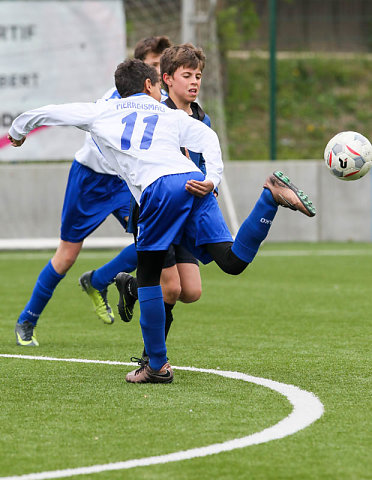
{"x":316,"y":98}
{"x":237,"y":22}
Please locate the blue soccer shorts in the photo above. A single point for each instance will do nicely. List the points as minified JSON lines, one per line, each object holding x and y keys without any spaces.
{"x":169,"y":214}
{"x":90,"y":198}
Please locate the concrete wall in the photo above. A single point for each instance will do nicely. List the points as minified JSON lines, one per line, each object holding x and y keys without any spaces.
{"x":344,"y":209}
{"x":31,"y":197}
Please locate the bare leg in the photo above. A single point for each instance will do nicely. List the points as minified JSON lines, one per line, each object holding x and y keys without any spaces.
{"x":191,"y":287}
{"x":65,"y":256}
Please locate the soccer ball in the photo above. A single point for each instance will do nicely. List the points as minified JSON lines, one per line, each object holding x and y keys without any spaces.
{"x":348,"y":155}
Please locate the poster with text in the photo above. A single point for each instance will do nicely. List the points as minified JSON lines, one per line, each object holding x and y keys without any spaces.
{"x":55,"y":52}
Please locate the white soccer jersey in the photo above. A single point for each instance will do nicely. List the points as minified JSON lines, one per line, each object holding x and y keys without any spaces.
{"x":139,"y":137}
{"x":89,"y":154}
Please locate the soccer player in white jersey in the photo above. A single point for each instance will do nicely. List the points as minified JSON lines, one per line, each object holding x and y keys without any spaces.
{"x":141,"y":139}
{"x":181,"y":68}
{"x":93,"y":192}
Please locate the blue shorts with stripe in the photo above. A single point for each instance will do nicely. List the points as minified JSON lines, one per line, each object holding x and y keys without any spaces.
{"x":90,"y":198}
{"x":169,"y":214}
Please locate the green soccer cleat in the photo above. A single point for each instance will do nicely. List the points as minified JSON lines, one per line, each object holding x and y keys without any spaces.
{"x":99,"y":299}
{"x":25,"y":336}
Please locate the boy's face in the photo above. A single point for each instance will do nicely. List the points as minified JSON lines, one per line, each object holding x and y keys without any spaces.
{"x":153,"y":59}
{"x":184,"y":83}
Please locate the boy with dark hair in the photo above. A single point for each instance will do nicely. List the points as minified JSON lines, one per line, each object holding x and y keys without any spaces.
{"x":181,"y":69}
{"x":133,"y":83}
{"x":93,"y":192}
{"x":141,"y":139}
{"x":151,"y":48}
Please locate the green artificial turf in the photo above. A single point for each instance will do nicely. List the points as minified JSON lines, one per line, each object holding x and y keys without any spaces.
{"x":300,"y":315}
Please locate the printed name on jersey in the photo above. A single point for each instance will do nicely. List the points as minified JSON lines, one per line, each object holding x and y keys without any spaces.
{"x":141,"y":106}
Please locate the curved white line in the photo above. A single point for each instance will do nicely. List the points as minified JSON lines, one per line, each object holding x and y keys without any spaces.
{"x":307,"y":408}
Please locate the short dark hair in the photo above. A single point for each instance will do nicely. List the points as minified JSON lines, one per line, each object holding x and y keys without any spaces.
{"x":185,"y":55}
{"x":130,"y":77}
{"x":151,"y":44}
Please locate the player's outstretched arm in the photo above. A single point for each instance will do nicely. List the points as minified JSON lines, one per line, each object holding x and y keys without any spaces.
{"x":80,"y":115}
{"x":16,"y":143}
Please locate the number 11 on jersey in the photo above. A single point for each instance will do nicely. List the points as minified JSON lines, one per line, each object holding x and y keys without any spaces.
{"x":129,"y":122}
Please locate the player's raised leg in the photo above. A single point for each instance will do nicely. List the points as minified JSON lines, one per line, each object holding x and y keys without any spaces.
{"x":234,"y":256}
{"x":278,"y":191}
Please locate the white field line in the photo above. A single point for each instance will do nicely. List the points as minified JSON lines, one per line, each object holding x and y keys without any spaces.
{"x":52,"y":243}
{"x":46,"y":255}
{"x":264,"y":253}
{"x":307,"y":408}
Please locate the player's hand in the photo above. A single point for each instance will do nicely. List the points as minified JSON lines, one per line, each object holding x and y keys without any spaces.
{"x":16,"y":143}
{"x":199,"y":189}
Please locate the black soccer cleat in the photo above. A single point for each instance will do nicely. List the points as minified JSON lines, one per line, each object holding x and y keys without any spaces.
{"x":126,"y":300}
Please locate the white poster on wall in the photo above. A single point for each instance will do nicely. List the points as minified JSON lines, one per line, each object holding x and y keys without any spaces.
{"x":55,"y":52}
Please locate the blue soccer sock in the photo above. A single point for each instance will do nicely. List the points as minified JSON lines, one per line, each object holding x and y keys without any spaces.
{"x":255,"y":228}
{"x":152,"y":322}
{"x":126,"y":261}
{"x":43,"y":290}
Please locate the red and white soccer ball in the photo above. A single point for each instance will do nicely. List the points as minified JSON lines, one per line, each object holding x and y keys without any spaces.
{"x":348,"y":155}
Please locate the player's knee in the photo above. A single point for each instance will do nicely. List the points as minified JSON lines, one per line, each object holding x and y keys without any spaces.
{"x":171,"y":292}
{"x":190,"y":295}
{"x":69,"y":261}
{"x":63,"y":263}
{"x":233,"y":268}
{"x":65,"y":256}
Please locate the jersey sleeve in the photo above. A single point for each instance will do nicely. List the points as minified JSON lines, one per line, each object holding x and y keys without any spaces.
{"x":80,"y":115}
{"x":197,"y":137}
